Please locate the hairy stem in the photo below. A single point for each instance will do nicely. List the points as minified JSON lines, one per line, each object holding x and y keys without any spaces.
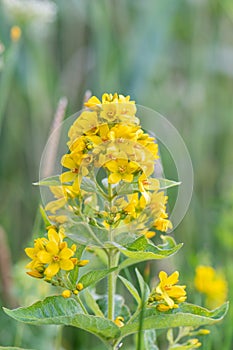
{"x":113,"y":258}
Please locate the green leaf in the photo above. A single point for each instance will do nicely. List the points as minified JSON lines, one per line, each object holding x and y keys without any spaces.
{"x":60,"y":311}
{"x":185,"y":315}
{"x":88,"y":185}
{"x":92,"y":277}
{"x":164,"y":183}
{"x":92,"y":304}
{"x":141,"y":250}
{"x":49,"y":181}
{"x":133,"y":291}
{"x":145,"y":290}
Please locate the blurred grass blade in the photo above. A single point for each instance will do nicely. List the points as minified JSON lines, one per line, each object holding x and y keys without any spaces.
{"x":6,"y":77}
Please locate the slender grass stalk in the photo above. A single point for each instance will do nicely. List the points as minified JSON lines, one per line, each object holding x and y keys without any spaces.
{"x":6,"y":77}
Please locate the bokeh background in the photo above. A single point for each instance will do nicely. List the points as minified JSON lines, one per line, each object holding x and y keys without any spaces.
{"x":173,"y":56}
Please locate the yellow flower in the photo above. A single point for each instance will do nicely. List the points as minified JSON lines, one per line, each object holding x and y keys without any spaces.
{"x":56,"y":255}
{"x":109,"y":112}
{"x":135,"y":205}
{"x":50,"y":255}
{"x":167,"y":294}
{"x":121,"y":169}
{"x":147,"y":184}
{"x":162,"y":223}
{"x":86,"y":124}
{"x":62,"y":194}
{"x":77,"y":163}
{"x":212,"y":284}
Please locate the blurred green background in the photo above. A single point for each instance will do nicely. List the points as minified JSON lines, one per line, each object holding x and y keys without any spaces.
{"x":173,"y":56}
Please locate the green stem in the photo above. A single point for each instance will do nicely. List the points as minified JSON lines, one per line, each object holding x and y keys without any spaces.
{"x":112,"y":262}
{"x":81,"y":304}
{"x":58,"y":343}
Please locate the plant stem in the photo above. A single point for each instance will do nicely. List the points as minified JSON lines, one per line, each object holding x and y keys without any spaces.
{"x":111,"y":283}
{"x":58,"y":343}
{"x":81,"y":304}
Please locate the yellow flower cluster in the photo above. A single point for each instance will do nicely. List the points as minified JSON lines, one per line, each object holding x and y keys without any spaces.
{"x":50,"y":255}
{"x":107,"y":138}
{"x":212,"y":284}
{"x":167,"y":294}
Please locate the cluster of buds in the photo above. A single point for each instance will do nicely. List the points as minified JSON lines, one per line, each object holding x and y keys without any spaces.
{"x":67,"y":292}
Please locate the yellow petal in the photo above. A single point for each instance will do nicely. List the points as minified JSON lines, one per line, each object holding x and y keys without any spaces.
{"x":92,"y":102}
{"x":68,"y":162}
{"x":66,"y":265}
{"x":176,"y":292}
{"x":68,"y":176}
{"x":53,"y":235}
{"x":162,"y":276}
{"x":127,"y":177}
{"x":44,"y":257}
{"x":30,"y":252}
{"x":112,"y":166}
{"x":114,"y":178}
{"x":35,"y":274}
{"x":173,"y":278}
{"x":52,"y":248}
{"x":66,"y":253}
{"x":132,"y":167}
{"x":51,"y":270}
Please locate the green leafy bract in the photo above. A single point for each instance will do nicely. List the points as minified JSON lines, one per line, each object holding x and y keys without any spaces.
{"x":49,"y":181}
{"x":141,"y":250}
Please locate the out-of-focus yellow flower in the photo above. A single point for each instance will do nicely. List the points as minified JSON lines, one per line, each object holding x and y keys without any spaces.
{"x":62,"y":194}
{"x":211,"y":283}
{"x":121,"y":169}
{"x":167,"y":294}
{"x":86,"y":124}
{"x":15,"y":33}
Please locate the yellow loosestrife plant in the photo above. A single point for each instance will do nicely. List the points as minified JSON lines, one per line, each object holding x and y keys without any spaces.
{"x":107,"y":206}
